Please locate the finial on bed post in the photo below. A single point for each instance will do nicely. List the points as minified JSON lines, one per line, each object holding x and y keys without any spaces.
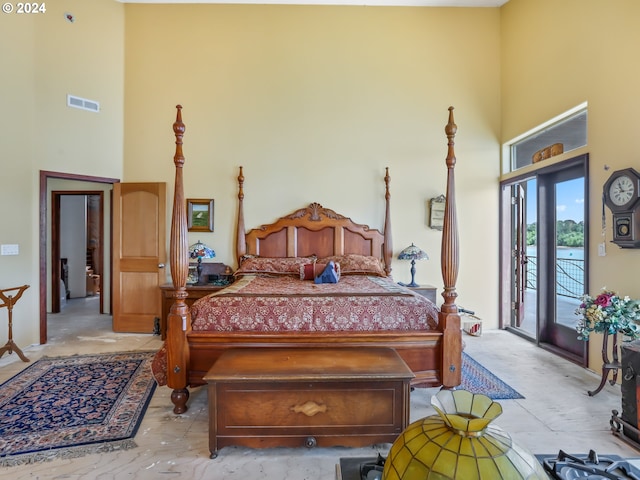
{"x":449,"y":318}
{"x":179,"y":242}
{"x":241,"y":241}
{"x":387,"y":249}
{"x":179,"y":318}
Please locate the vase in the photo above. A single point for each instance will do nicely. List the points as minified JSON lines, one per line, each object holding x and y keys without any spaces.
{"x":459,"y":443}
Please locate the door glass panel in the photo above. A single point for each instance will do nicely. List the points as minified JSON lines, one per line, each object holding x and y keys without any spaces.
{"x":569,"y":250}
{"x":531,"y":272}
{"x":524,"y":257}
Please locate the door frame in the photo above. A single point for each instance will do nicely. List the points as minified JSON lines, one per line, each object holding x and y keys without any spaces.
{"x":45,"y":175}
{"x":506,"y":289}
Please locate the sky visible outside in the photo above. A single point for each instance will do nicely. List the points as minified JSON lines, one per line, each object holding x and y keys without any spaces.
{"x":569,"y":200}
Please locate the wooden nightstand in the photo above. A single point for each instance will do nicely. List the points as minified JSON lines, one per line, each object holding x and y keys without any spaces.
{"x":428,"y":291}
{"x":194,"y":292}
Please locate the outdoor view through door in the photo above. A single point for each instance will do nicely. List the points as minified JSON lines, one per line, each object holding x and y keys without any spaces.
{"x":548,"y":262}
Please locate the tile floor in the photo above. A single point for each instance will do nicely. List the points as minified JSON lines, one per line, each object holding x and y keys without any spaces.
{"x":556,"y":412}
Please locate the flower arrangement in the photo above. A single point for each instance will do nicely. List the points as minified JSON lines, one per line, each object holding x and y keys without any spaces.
{"x":608,"y":313}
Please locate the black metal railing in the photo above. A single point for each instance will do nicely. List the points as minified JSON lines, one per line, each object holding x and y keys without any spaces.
{"x":569,"y":276}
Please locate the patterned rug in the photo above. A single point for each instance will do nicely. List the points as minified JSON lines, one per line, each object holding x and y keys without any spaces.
{"x":71,"y":406}
{"x":477,"y":379}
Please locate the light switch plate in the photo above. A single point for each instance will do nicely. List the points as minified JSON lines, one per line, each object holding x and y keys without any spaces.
{"x":9,"y":249}
{"x":602,"y":250}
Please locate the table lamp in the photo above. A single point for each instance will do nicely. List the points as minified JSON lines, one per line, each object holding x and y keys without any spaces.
{"x":412,"y":253}
{"x":199,"y":250}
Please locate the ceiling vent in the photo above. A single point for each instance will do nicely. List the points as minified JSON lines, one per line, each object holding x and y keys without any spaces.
{"x":83,"y":103}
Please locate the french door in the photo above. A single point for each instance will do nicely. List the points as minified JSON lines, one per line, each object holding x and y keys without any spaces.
{"x":544,"y":255}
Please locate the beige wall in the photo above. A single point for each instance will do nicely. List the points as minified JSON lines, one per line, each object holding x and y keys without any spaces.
{"x":314,"y":102}
{"x":44,"y":58}
{"x":556,"y":55}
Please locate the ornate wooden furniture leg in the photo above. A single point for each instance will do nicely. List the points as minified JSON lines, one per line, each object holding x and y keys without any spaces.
{"x":9,"y":301}
{"x":608,"y":365}
{"x":449,"y":317}
{"x":179,"y":320}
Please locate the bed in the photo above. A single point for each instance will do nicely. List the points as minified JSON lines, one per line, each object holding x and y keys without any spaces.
{"x":364,"y":308}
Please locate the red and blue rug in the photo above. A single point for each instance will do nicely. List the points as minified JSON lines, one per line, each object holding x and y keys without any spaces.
{"x":72,"y":406}
{"x":477,"y":379}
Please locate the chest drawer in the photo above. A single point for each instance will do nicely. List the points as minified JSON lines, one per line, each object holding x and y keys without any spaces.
{"x":296,"y":407}
{"x":307,"y":397}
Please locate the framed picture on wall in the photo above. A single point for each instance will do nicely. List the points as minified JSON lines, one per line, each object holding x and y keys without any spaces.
{"x":436,"y":212}
{"x":200,"y":215}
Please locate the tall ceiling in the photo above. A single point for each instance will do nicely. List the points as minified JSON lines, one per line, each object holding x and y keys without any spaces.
{"x":419,"y":3}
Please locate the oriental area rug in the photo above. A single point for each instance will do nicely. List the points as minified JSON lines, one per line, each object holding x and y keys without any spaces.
{"x":71,"y":406}
{"x":477,"y":379}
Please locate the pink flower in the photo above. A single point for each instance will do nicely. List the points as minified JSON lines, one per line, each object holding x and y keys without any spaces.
{"x":603,"y":300}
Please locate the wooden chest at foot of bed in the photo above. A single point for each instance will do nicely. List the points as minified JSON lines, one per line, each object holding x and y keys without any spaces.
{"x":293,"y":397}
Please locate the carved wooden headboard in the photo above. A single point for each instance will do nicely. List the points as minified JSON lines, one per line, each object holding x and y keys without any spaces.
{"x":314,"y":230}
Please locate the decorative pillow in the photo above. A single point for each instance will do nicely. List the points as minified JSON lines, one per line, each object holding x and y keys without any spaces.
{"x":330,"y":274}
{"x":354,"y":264}
{"x":246,"y":256}
{"x":272,"y":265}
{"x":310,"y":271}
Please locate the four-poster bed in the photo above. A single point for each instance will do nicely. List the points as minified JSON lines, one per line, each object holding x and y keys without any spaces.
{"x":295,"y":313}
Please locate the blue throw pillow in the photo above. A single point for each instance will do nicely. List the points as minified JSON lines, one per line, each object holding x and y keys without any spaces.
{"x":328,"y":275}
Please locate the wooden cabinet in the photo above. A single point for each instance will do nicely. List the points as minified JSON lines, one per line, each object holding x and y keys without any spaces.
{"x":428,"y":291}
{"x":194,"y":292}
{"x":294,"y":397}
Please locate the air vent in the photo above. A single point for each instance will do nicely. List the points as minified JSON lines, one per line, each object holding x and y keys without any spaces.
{"x":83,"y":103}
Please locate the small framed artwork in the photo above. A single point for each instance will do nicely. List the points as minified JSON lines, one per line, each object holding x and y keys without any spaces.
{"x":436,"y":212}
{"x":200,"y":215}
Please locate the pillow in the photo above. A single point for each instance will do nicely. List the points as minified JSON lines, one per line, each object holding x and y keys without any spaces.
{"x":354,"y":264}
{"x":272,"y":265}
{"x":330,"y":274}
{"x":310,"y":271}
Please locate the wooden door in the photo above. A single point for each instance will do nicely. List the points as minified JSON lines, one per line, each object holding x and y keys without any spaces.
{"x":139,"y":255}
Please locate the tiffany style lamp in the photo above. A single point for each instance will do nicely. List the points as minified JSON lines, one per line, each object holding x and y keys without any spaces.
{"x":459,"y":443}
{"x":199,"y":250}
{"x":412,"y":253}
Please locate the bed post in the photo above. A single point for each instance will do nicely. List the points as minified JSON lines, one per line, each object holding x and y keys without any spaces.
{"x":387,"y":248}
{"x":241,"y":240}
{"x":448,"y":316}
{"x":179,"y":318}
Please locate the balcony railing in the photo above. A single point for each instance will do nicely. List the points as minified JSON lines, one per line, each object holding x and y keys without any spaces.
{"x":569,"y":276}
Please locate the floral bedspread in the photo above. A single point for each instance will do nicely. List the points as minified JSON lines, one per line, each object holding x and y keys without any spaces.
{"x":283,"y":303}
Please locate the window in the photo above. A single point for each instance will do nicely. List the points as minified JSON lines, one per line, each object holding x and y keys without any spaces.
{"x":568,"y":130}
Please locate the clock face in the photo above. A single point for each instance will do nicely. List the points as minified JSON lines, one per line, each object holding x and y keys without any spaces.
{"x":622,"y":190}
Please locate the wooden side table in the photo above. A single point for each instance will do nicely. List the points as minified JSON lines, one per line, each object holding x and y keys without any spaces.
{"x":428,"y":291}
{"x":194,"y":292}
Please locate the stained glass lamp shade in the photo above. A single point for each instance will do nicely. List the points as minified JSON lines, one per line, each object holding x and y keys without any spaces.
{"x":460,"y":443}
{"x":412,"y":253}
{"x":199,"y":250}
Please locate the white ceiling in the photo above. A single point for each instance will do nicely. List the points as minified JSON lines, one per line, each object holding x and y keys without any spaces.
{"x":419,"y":3}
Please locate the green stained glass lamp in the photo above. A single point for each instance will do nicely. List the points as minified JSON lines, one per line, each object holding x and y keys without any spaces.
{"x":459,"y":443}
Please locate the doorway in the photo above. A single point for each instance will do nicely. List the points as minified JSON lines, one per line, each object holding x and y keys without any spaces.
{"x":77,"y":246}
{"x":544,"y":262}
{"x":50,"y":181}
